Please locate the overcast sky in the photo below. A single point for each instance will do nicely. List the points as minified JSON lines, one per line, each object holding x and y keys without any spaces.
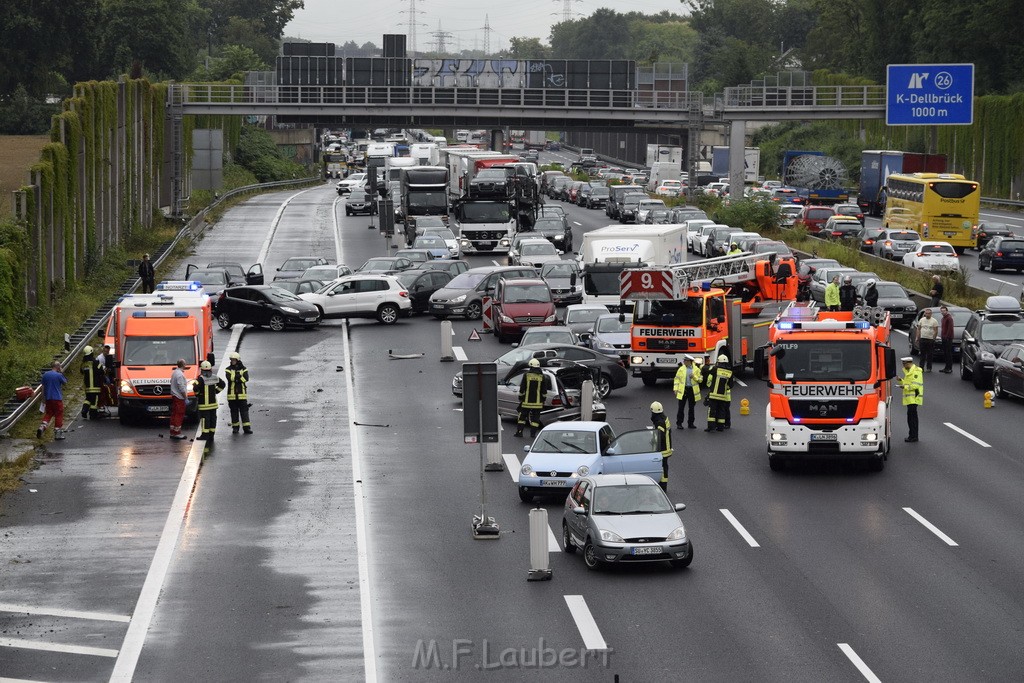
{"x":340,"y":21}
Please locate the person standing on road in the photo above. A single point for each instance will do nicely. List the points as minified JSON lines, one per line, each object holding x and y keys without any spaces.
{"x":208,"y":385}
{"x":927,"y":333}
{"x":847,"y":295}
{"x":687,"y":390}
{"x":531,"y":398}
{"x":937,"y":290}
{"x":179,"y":397}
{"x":734,"y":250}
{"x":664,"y":429}
{"x":946,"y":337}
{"x":147,"y":274}
{"x":238,"y":394}
{"x":912,"y":383}
{"x":53,"y":382}
{"x":832,"y":299}
{"x":871,"y":294}
{"x":92,"y":381}
{"x":719,"y":383}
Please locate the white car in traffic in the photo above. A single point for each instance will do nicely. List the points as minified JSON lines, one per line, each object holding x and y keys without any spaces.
{"x":355,"y":181}
{"x":932,"y":256}
{"x":669,"y":188}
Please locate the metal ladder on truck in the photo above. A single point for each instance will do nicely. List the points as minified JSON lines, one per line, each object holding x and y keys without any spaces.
{"x":725,"y":269}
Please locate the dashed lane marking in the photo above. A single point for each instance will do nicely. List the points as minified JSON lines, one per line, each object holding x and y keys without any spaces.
{"x":512,"y":465}
{"x":1005,"y":282}
{"x":970,"y":436}
{"x":495,"y":262}
{"x":739,"y":527}
{"x":903,"y":332}
{"x":930,"y":527}
{"x":459,"y":354}
{"x":63,"y":613}
{"x":592,"y":638}
{"x":577,"y":223}
{"x":553,"y":546}
{"x":740,"y":382}
{"x":867,"y":673}
{"x":22,"y":644}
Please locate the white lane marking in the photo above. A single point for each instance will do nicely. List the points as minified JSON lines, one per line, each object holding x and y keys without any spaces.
{"x":930,"y":527}
{"x":867,"y":673}
{"x":512,"y":465}
{"x":553,"y":546}
{"x":903,"y":332}
{"x":1004,"y":219}
{"x":577,"y":223}
{"x":64,"y":613}
{"x":358,"y":485}
{"x":495,"y":262}
{"x":1005,"y":282}
{"x":18,"y":680}
{"x":337,"y":230}
{"x":265,"y":249}
{"x":970,"y":436}
{"x":145,"y":607}
{"x":740,"y":382}
{"x":459,"y":354}
{"x":21,"y":644}
{"x":739,"y":527}
{"x":588,"y":629}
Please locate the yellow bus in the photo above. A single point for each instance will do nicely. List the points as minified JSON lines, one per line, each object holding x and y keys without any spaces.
{"x":939,"y":206}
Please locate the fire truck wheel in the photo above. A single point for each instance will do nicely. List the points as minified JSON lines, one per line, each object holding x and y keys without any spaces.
{"x":649,"y":380}
{"x":775,"y":463}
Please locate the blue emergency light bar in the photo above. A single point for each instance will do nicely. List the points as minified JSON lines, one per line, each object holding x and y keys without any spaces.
{"x":784,"y":326}
{"x":705,"y":286}
{"x":160,"y":314}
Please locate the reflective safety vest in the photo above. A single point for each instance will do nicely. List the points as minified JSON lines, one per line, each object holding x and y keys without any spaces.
{"x":90,"y":374}
{"x":238,"y":378}
{"x":531,"y":393}
{"x":664,"y":429}
{"x":679,"y":384}
{"x":720,"y":385}
{"x":913,"y":386}
{"x":207,"y":390}
{"x":735,"y":251}
{"x":832,"y":294}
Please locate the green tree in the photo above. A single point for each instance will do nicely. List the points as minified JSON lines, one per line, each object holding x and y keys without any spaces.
{"x":233,"y":60}
{"x":159,"y":34}
{"x":670,"y":41}
{"x":526,"y":48}
{"x":605,"y":34}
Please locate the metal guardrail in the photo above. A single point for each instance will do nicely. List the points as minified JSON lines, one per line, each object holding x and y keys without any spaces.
{"x":14,"y":410}
{"x":1003,"y":202}
{"x":820,"y":96}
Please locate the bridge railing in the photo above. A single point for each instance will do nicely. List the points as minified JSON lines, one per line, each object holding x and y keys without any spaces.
{"x":185,"y":94}
{"x":827,"y":96}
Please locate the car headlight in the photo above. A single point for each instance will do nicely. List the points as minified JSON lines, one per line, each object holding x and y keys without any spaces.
{"x":459,"y":299}
{"x":583,"y":470}
{"x":550,"y":318}
{"x":869,"y":437}
{"x":526,"y":471}
{"x":611,"y":536}
{"x":504,"y":243}
{"x":288,"y":309}
{"x":678,"y":534}
{"x":604,"y":345}
{"x":987,"y":355}
{"x":559,"y":238}
{"x":126,"y":387}
{"x":506,"y":319}
{"x":778,"y":437}
{"x":637,"y":360}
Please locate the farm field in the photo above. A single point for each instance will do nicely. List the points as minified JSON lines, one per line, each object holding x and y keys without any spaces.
{"x":17,"y":154}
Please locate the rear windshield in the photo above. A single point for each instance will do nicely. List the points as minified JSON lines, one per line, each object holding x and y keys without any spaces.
{"x":1011,"y":244}
{"x":820,"y":214}
{"x":908,"y":235}
{"x":936,"y":249}
{"x":953,"y":190}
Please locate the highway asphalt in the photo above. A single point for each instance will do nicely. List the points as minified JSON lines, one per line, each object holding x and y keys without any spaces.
{"x":817,"y":573}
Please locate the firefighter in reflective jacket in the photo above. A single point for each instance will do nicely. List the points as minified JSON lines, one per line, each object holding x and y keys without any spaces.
{"x":664,"y":430}
{"x":207,"y":386}
{"x":719,"y":383}
{"x":92,"y":380}
{"x":238,"y":395}
{"x":531,"y":398}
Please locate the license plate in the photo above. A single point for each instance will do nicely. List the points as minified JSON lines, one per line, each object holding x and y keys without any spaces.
{"x":666,"y":361}
{"x":552,"y":482}
{"x":437,"y":306}
{"x":646,"y":550}
{"x":158,"y":409}
{"x":311,"y":320}
{"x":824,"y":437}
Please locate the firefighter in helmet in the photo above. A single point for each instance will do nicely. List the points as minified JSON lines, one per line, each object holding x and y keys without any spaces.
{"x":663,"y":427}
{"x":532,"y":391}
{"x":207,"y":386}
{"x":238,"y":394}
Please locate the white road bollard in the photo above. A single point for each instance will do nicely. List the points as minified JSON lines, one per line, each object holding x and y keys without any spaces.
{"x":492,"y":453}
{"x":587,"y":401}
{"x":447,"y":355}
{"x":540,"y":561}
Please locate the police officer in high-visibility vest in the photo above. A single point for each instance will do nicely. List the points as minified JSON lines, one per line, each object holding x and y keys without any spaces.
{"x":207,"y":386}
{"x":912,"y":383}
{"x":238,"y":395}
{"x":686,"y":387}
{"x":664,"y":429}
{"x":92,"y":380}
{"x":719,"y":383}
{"x":531,"y":398}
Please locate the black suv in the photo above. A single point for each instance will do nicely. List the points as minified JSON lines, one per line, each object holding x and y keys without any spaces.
{"x":986,"y":335}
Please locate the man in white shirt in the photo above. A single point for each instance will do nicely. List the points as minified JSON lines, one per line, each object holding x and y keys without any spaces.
{"x":179,"y":395}
{"x":927,"y":333}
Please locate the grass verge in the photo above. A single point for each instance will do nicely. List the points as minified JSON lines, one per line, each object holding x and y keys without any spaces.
{"x":11,"y":471}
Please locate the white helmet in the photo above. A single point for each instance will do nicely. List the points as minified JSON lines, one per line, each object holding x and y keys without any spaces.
{"x":205,"y":365}
{"x":534,"y":363}
{"x":722,"y":358}
{"x":87,"y":350}
{"x":656,"y":407}
{"x":234,"y":355}
{"x":871,"y":281}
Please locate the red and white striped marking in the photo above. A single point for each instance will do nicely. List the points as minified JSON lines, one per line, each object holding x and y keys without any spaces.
{"x":486,"y":314}
{"x":646,"y":284}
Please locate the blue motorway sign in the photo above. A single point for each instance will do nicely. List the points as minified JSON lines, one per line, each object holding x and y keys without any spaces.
{"x":929,"y":94}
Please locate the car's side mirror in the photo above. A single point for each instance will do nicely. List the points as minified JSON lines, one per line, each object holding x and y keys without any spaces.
{"x":680,"y":507}
{"x":526,"y":449}
{"x":579,"y":510}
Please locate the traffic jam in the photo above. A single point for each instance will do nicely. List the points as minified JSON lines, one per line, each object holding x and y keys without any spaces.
{"x":637,"y":346}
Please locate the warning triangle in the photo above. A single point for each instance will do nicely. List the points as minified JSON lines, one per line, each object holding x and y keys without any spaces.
{"x":474,"y":335}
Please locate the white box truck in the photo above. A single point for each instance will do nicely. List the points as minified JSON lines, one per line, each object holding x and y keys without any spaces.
{"x":607,"y":251}
{"x":664,"y":154}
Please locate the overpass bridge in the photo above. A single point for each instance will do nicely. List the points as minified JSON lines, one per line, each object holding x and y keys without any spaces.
{"x":497,"y":109}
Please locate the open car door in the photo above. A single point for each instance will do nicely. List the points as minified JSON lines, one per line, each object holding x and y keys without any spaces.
{"x":634,"y":452}
{"x":254,"y":276}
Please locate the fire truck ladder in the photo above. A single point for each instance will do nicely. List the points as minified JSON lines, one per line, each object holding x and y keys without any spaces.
{"x":726,"y":269}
